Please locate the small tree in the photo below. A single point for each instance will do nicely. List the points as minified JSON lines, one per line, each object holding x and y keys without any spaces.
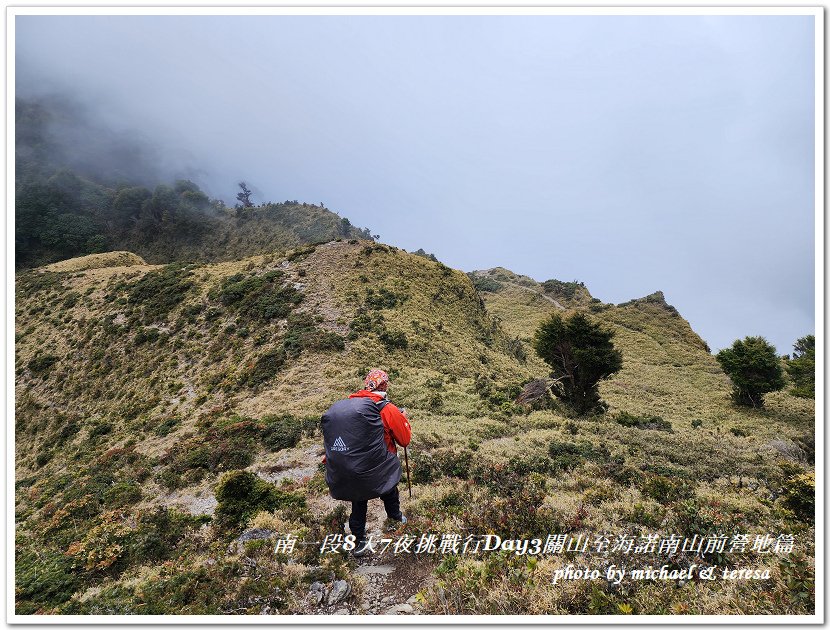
{"x":244,"y":196}
{"x":754,"y":368}
{"x":802,"y":367}
{"x":580,"y":354}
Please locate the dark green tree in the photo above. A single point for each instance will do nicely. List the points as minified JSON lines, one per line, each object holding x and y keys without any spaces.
{"x":580,"y":354}
{"x":245,"y":196}
{"x":802,"y":367}
{"x":754,"y":368}
{"x":127,"y":205}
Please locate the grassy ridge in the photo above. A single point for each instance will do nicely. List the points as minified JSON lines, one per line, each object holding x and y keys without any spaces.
{"x":139,"y":388}
{"x":239,"y":233}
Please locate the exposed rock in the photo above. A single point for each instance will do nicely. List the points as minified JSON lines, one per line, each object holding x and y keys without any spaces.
{"x":316,"y":592}
{"x":340,"y":590}
{"x":400,"y":609}
{"x":341,"y":611}
{"x":786,"y":448}
{"x":255,"y":534}
{"x":374,"y":569}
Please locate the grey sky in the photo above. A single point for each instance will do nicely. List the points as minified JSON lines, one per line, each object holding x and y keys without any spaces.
{"x":631,"y":153}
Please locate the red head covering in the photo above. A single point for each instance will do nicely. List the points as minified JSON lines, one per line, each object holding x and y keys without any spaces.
{"x":376,"y":379}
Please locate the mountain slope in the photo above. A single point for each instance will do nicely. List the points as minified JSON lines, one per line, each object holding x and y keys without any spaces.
{"x":145,"y":394}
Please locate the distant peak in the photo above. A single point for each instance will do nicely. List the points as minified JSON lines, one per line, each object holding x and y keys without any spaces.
{"x":657,"y":298}
{"x":502,"y":274}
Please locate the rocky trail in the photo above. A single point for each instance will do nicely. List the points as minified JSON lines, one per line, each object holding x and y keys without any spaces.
{"x":380,"y":583}
{"x":390,"y":581}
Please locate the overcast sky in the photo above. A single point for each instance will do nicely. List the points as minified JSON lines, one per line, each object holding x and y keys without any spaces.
{"x":630,"y":153}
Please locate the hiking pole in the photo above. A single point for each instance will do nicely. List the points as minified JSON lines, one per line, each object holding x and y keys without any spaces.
{"x":408,"y":478}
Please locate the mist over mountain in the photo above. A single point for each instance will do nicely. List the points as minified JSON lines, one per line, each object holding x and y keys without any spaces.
{"x":54,"y":131}
{"x":676,"y":154}
{"x":83,"y":188}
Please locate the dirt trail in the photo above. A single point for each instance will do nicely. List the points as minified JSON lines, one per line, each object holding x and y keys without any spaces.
{"x":390,"y":580}
{"x":383,"y":582}
{"x":541,"y":295}
{"x":387,"y":581}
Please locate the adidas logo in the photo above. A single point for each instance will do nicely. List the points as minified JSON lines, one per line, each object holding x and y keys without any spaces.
{"x":339,"y":445}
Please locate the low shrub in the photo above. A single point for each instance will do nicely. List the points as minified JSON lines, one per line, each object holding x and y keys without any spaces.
{"x":433,"y":465}
{"x":568,"y":455}
{"x":42,"y":363}
{"x":265,"y":368}
{"x":159,"y":292}
{"x":43,"y":458}
{"x":214,"y":451}
{"x":485,"y":284}
{"x":301,"y":253}
{"x":799,"y":495}
{"x":71,"y":299}
{"x":691,"y":516}
{"x":619,"y":471}
{"x":158,"y":533}
{"x":508,"y":479}
{"x":394,"y":339}
{"x":665,"y":490}
{"x":241,"y":494}
{"x":655,"y":423}
{"x":365,"y":322}
{"x":146,"y":335}
{"x":167,"y":426}
{"x":122,"y":494}
{"x":303,"y":333}
{"x":798,"y":575}
{"x":43,"y":579}
{"x":281,"y":432}
{"x":258,"y":297}
{"x":642,"y":514}
{"x":102,"y":428}
{"x":564,"y":289}
{"x":378,"y":299}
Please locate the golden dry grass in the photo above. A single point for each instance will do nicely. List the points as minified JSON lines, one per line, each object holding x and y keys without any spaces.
{"x":97,"y":261}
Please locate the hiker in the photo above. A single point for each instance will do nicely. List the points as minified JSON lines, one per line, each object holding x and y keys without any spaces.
{"x":360,"y":435}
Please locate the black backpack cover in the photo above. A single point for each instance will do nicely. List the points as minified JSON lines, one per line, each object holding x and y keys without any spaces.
{"x":359,"y":467}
